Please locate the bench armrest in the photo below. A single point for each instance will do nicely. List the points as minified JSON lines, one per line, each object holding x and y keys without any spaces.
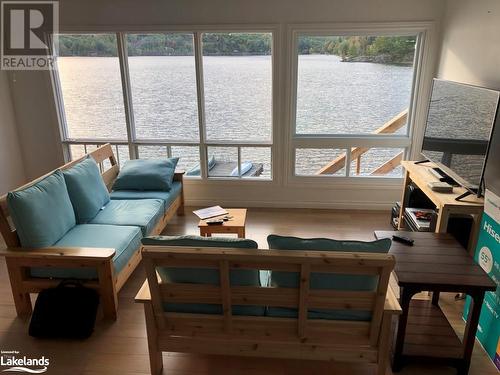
{"x":143,"y":295}
{"x":58,"y":253}
{"x":178,"y":175}
{"x":391,"y":303}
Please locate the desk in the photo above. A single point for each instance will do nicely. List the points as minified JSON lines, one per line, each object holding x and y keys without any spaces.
{"x":445,"y":203}
{"x":435,"y":263}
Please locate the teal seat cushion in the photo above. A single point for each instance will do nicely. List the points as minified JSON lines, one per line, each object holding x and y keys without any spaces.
{"x":324,"y":280}
{"x":206,"y":276}
{"x":42,"y":213}
{"x":166,"y":196}
{"x":125,"y":240}
{"x":142,"y":213}
{"x":86,"y":189}
{"x":146,"y":174}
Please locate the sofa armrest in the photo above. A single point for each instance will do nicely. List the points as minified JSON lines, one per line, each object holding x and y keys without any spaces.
{"x":67,"y":253}
{"x":143,"y":295}
{"x":391,"y":303}
{"x":179,"y":175}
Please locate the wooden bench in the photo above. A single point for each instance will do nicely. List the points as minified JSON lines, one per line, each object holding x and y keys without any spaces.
{"x":264,"y":336}
{"x":19,"y":259}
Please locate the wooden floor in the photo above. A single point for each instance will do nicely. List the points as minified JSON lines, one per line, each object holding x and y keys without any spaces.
{"x":121,"y":347}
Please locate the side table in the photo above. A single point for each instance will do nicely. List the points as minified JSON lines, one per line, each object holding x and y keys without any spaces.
{"x":435,"y":263}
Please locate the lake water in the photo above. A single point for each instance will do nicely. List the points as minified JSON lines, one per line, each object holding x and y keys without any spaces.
{"x":333,"y":97}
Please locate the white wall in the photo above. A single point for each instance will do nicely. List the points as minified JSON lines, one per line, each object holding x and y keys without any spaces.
{"x":12,"y":172}
{"x":37,"y":119}
{"x":37,"y":123}
{"x":470,"y":51}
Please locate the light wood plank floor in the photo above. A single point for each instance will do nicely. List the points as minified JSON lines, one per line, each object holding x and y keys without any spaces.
{"x":121,"y":347}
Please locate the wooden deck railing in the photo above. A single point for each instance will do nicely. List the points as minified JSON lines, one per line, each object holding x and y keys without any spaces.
{"x":356,"y":153}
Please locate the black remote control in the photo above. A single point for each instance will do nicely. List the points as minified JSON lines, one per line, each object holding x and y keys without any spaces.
{"x":406,"y":240}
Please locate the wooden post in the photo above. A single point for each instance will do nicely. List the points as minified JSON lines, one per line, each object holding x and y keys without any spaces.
{"x":155,"y":356}
{"x":22,"y":299}
{"x":384,"y":344}
{"x":107,"y":289}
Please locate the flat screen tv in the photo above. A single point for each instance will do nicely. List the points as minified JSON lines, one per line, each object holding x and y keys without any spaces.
{"x":460,"y":122}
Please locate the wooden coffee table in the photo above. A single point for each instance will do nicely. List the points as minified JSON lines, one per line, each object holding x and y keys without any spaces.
{"x":435,"y":263}
{"x":235,"y":225}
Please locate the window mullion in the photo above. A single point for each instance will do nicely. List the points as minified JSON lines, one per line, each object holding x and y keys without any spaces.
{"x":201,"y":104}
{"x":127,"y":93}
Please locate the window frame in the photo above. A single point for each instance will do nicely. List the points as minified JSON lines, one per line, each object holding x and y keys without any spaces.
{"x":202,"y":143}
{"x":347,"y":141}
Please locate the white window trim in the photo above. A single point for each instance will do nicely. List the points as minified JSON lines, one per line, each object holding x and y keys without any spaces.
{"x":417,"y":110}
{"x":134,"y":143}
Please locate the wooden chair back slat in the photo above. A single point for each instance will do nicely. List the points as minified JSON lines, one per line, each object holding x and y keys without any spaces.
{"x":270,"y":296}
{"x":100,"y":155}
{"x":302,"y":299}
{"x":225,"y":293}
{"x":305,"y":276}
{"x":276,"y":329}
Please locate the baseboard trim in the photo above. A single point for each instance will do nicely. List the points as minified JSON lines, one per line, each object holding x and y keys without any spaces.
{"x":366,"y":205}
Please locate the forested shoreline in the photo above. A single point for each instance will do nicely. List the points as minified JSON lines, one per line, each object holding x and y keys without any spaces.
{"x":379,"y":49}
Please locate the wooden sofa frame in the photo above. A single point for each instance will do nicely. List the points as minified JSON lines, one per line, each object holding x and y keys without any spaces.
{"x":19,"y":259}
{"x":264,"y":336}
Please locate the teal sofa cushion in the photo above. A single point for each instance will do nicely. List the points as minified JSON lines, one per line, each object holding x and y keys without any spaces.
{"x":142,"y":213}
{"x":146,"y":174}
{"x":86,"y":189}
{"x":206,"y":276}
{"x":166,"y":196}
{"x":325,"y":280}
{"x":42,"y":213}
{"x":125,"y":240}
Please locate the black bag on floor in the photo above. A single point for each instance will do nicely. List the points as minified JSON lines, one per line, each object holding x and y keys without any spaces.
{"x":66,"y":311}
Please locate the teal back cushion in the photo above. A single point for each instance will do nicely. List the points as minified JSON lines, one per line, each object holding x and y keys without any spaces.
{"x":146,"y":174}
{"x":206,"y":276}
{"x":86,"y":189}
{"x":325,"y":280}
{"x":42,"y":213}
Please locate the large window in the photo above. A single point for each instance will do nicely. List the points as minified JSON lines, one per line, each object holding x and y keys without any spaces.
{"x":209,"y":96}
{"x":204,"y":97}
{"x":237,"y":71}
{"x":89,"y":71}
{"x":163,"y":81}
{"x":355,"y":91}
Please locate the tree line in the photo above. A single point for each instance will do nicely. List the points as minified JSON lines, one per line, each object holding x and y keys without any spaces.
{"x":363,"y":48}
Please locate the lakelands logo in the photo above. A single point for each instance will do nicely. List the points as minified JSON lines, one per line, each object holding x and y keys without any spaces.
{"x":18,"y":363}
{"x":26,"y":30}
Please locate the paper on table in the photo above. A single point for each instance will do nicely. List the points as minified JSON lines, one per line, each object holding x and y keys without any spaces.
{"x":206,"y":213}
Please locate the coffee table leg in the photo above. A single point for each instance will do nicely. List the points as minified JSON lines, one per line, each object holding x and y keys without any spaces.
{"x":470,"y":331}
{"x":405,"y":298}
{"x":435,"y":298}
{"x":241,"y":232}
{"x":204,"y":232}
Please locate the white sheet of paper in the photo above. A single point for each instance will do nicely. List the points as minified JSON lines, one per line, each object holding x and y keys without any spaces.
{"x":209,"y":212}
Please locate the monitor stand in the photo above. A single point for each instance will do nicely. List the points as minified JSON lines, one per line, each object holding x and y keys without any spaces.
{"x":469,"y":191}
{"x":443,"y":177}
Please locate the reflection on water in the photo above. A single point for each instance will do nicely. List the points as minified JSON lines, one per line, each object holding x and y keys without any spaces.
{"x":333,"y":97}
